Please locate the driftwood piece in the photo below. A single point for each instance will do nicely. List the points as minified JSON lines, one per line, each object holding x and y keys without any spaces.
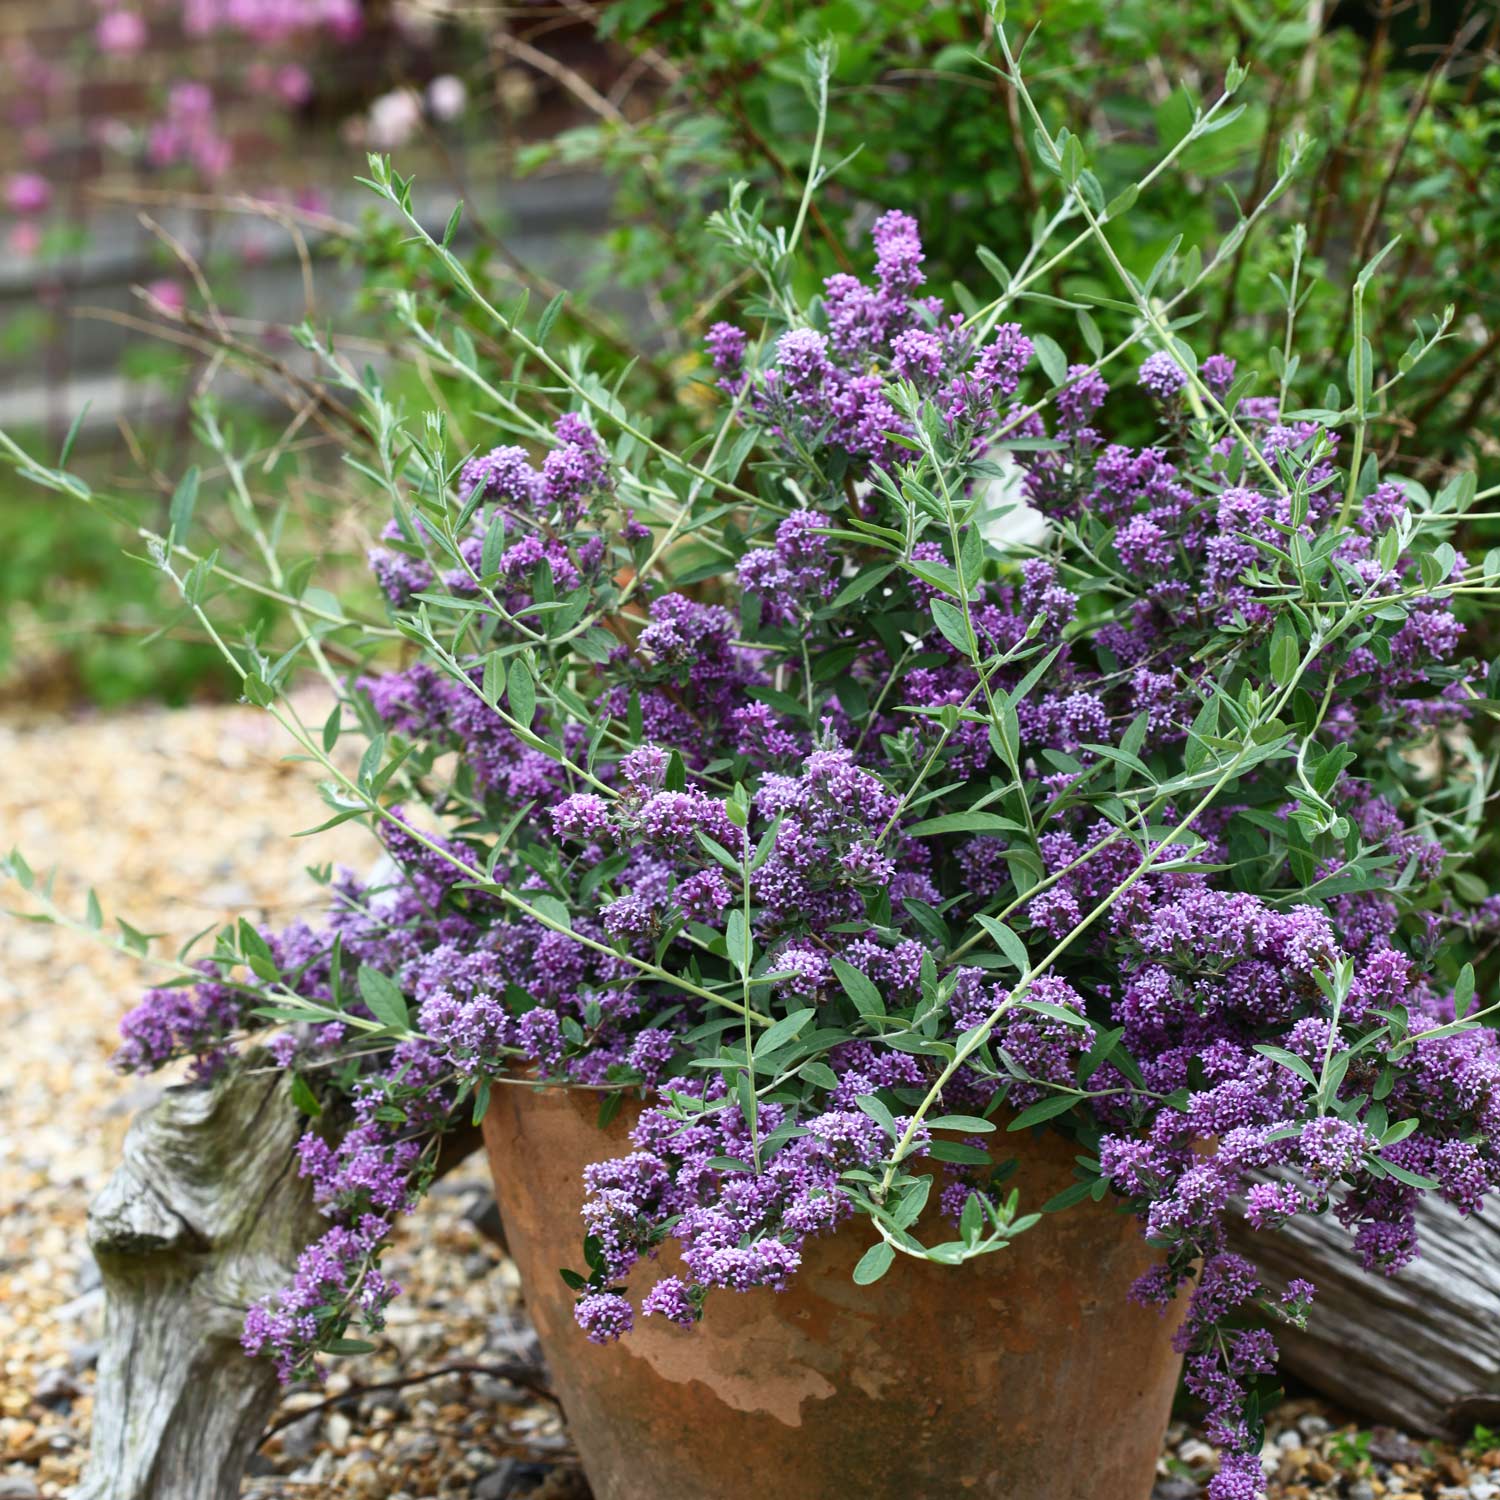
{"x":1420,"y":1350}
{"x":205,"y":1214}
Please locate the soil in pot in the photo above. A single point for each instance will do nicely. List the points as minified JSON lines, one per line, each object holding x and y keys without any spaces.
{"x":1025,"y":1375}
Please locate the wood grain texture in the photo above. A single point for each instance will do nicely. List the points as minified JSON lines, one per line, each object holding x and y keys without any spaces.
{"x":1420,"y":1350}
{"x":205,"y":1214}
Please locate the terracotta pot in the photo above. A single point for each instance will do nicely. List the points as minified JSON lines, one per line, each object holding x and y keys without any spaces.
{"x":1025,"y":1375}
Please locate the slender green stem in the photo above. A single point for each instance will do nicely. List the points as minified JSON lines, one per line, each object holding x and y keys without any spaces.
{"x":1143,"y":303}
{"x":608,"y":410}
{"x":987,"y":314}
{"x":1321,"y":638}
{"x":825,"y":69}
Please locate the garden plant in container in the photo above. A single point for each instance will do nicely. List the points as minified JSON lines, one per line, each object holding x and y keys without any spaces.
{"x":904,"y":945}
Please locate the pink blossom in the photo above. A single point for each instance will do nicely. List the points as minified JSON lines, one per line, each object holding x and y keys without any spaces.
{"x":168,"y":294}
{"x":393,"y":119}
{"x":27,"y":193}
{"x":121,"y":33}
{"x":24,"y":239}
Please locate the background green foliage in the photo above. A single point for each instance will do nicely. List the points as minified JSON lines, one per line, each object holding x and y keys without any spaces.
{"x":1399,"y":113}
{"x":1398,"y":109}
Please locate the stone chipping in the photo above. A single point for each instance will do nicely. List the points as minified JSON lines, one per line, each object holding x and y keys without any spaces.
{"x":183,"y":820}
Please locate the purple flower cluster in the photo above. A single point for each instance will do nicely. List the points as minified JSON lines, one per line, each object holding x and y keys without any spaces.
{"x":572,"y":485}
{"x":1107,"y":808}
{"x":198,"y":1020}
{"x":797,"y":574}
{"x":693,"y":1179}
{"x":823,"y":397}
{"x":337,"y":1278}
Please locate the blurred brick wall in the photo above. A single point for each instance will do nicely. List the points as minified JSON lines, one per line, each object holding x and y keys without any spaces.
{"x":75,"y":112}
{"x":81,"y":118}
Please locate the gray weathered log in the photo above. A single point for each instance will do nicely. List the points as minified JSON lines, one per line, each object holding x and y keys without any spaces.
{"x":205,"y":1214}
{"x":1420,"y":1350}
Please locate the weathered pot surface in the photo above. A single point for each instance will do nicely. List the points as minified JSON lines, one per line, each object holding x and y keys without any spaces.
{"x":1025,"y":1375}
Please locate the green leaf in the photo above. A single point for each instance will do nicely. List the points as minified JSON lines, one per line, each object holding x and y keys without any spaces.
{"x":184,"y":498}
{"x":369,"y":762}
{"x":1411,"y":1179}
{"x":971,"y":1220}
{"x":1008,"y":943}
{"x":1105,"y":1043}
{"x":965,"y":822}
{"x":939,"y":575}
{"x":1205,"y":726}
{"x":857,"y":587}
{"x":877,"y":1111}
{"x":955,"y":628}
{"x":258,"y":691}
{"x":1288,"y":1060}
{"x":494,"y":544}
{"x":782,"y":1031}
{"x":719,"y":852}
{"x":1135,"y":736}
{"x":913,"y":1201}
{"x":595,"y":643}
{"x":1286,"y":651}
{"x":74,"y":429}
{"x":1463,"y":991}
{"x":973,"y":1124}
{"x":257,"y":952}
{"x":950,"y":1253}
{"x":957,"y":1151}
{"x":1039,"y":670}
{"x":820,"y":1075}
{"x":349,"y":1346}
{"x":737,"y":939}
{"x":133,"y":939}
{"x":304,"y":1098}
{"x":1068,"y":1197}
{"x":744,"y":1088}
{"x":993,"y":264}
{"x":384,"y":998}
{"x":860,"y":988}
{"x":874,"y":1263}
{"x":482,"y":1101}
{"x":1057,"y":1013}
{"x":1044,"y":1109}
{"x":15,"y":865}
{"x":1005,"y":736}
{"x":554,"y":910}
{"x":1090,"y":331}
{"x":520,"y":692}
{"x":929,"y":920}
{"x":492,"y":683}
{"x":549,"y":317}
{"x":1050,"y":356}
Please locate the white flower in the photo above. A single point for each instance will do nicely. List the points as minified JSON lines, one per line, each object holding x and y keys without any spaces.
{"x":393,"y":119}
{"x":447,"y":98}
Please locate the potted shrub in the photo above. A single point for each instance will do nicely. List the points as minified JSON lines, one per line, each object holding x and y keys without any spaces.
{"x":904,"y":944}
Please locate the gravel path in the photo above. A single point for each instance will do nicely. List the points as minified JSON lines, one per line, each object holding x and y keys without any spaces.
{"x":182,"y":820}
